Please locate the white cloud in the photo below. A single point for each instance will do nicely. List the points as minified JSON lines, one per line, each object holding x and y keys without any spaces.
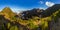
{"x":41,"y":2}
{"x":49,"y":4}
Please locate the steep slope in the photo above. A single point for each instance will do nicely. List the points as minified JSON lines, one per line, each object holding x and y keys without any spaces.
{"x":52,"y":9}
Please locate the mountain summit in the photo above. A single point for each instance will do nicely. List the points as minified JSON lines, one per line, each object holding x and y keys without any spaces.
{"x":6,"y":10}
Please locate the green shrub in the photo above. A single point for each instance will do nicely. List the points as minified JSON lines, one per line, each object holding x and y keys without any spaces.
{"x":14,"y":28}
{"x":32,"y":26}
{"x":8,"y":25}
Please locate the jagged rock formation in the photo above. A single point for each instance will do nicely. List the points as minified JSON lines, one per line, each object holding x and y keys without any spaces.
{"x":32,"y":13}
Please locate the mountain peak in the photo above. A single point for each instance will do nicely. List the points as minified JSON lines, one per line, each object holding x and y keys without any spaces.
{"x":6,"y":9}
{"x":7,"y":12}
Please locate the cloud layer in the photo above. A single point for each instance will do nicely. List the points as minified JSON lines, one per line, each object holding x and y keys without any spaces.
{"x":49,"y":4}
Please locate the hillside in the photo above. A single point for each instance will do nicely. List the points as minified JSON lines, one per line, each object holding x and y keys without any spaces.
{"x":52,"y":9}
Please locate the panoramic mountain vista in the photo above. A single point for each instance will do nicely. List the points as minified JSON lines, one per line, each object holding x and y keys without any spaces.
{"x":29,"y":14}
{"x":34,"y":19}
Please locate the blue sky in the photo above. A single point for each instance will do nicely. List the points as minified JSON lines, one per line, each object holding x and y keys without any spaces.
{"x":21,"y":5}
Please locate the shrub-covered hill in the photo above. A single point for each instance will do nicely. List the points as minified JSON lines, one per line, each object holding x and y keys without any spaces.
{"x":7,"y":12}
{"x":11,"y":21}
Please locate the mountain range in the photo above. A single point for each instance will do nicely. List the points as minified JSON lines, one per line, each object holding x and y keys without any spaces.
{"x":34,"y":19}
